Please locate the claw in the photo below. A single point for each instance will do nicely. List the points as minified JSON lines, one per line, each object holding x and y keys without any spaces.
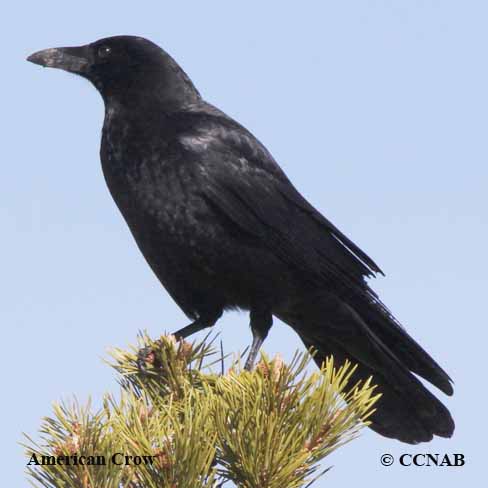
{"x":144,"y":356}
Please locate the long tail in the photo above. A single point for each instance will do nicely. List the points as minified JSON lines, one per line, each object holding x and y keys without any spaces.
{"x":370,"y":337}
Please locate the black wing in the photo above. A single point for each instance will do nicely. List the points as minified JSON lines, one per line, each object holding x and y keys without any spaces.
{"x":243,"y":182}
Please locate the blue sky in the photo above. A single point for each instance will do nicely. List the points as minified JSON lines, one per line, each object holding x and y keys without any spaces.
{"x":376,"y":110}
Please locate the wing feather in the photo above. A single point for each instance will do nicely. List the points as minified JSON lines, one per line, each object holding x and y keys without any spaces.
{"x":243,"y":182}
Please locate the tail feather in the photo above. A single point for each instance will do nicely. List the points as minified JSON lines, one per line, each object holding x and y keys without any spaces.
{"x":405,"y":348}
{"x":407,"y":411}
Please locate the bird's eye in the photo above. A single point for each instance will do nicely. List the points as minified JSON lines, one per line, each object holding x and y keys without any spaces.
{"x":104,"y":51}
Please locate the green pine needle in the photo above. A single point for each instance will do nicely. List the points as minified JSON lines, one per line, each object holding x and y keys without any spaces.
{"x":269,"y":428}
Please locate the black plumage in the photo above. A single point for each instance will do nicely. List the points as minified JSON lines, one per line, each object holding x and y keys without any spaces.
{"x":222,"y":227}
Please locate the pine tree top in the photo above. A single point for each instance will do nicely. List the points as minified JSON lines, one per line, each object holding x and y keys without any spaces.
{"x":180,"y":423}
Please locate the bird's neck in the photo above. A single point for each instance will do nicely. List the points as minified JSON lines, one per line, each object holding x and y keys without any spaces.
{"x":166,"y":87}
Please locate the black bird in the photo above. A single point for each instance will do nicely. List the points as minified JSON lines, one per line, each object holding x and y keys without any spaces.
{"x":222,"y":228}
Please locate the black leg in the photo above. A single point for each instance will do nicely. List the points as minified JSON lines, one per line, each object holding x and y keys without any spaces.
{"x":195,"y":327}
{"x":201,"y":323}
{"x":261,"y":322}
{"x":257,"y":342}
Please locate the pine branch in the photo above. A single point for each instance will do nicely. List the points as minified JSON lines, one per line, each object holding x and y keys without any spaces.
{"x":268,"y":428}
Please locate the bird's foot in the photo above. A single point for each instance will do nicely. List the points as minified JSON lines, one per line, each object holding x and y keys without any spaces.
{"x":144,"y":356}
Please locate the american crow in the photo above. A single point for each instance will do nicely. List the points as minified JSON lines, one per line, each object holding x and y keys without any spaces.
{"x":222,"y":227}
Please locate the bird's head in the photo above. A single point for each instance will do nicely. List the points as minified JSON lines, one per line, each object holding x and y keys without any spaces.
{"x":126,"y":68}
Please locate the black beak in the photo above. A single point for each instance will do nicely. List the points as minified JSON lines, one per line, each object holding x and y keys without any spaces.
{"x":72,"y":59}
